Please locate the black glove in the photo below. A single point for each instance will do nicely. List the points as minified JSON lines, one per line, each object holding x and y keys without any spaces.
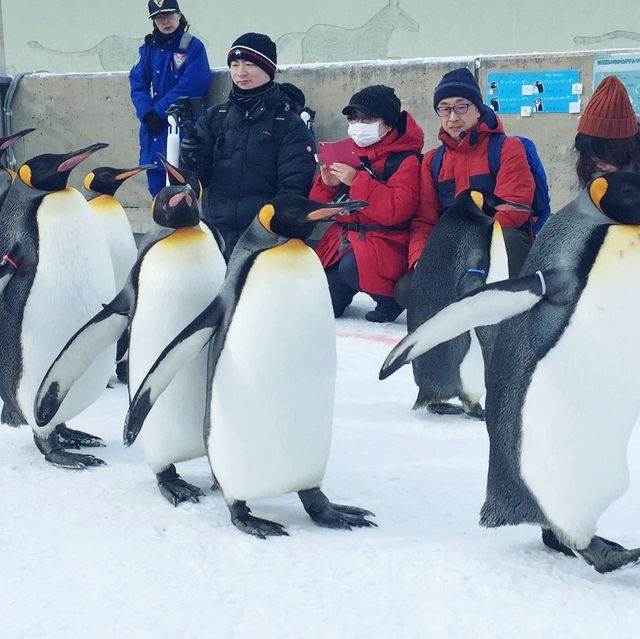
{"x":190,"y":150}
{"x":154,"y":122}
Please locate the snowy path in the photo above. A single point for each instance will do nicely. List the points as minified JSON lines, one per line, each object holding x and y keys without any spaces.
{"x":100,"y":553}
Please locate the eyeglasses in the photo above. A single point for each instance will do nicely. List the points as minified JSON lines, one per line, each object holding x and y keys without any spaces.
{"x":458,"y":109}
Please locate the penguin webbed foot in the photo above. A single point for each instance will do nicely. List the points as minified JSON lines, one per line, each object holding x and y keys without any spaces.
{"x":606,"y":555}
{"x":175,"y":489}
{"x":474,"y":410}
{"x":70,"y":438}
{"x":550,"y":540}
{"x":244,"y":521}
{"x":444,"y":408}
{"x":329,"y":515}
{"x":54,"y":453}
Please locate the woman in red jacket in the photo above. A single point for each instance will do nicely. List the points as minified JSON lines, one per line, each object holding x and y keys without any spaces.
{"x":367,"y":250}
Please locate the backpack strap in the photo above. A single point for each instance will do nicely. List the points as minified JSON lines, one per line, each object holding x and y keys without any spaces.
{"x":393,"y":162}
{"x":494,"y":152}
{"x":436,"y":164}
{"x":185,"y":41}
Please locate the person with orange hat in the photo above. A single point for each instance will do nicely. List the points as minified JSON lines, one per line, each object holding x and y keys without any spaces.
{"x":608,"y":137}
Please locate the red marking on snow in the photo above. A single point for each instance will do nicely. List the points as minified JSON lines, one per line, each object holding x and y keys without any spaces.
{"x":386,"y":339}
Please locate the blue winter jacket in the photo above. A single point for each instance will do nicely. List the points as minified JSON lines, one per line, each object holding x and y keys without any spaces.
{"x":164,"y":73}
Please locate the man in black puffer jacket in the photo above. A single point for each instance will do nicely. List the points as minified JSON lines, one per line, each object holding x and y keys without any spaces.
{"x":251,"y":148}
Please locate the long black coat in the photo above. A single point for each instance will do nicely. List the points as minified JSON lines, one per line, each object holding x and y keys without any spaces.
{"x":248,"y":157}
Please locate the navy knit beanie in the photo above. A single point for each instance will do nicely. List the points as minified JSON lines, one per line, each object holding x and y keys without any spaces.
{"x":377,"y":101}
{"x":257,"y":48}
{"x":162,"y":6}
{"x":458,"y":83}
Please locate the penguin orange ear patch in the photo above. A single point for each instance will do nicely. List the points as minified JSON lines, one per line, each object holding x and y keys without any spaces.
{"x":478,"y":199}
{"x":25,"y":174}
{"x":88,"y":178}
{"x":597,"y":190}
{"x":266,"y":215}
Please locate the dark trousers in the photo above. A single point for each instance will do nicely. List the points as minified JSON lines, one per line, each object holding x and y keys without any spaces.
{"x":344,"y":283}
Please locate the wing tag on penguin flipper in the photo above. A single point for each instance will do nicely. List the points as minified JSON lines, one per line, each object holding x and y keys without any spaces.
{"x":80,"y":351}
{"x":181,"y":350}
{"x":484,"y":306}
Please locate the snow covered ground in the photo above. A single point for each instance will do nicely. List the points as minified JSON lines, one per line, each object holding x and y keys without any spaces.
{"x":99,"y":553}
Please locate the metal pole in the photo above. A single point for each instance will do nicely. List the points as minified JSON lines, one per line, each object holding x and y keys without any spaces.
{"x":3,"y":63}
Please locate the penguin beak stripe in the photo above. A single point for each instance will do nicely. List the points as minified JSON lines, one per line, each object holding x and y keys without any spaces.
{"x":178,"y":197}
{"x":72,"y":162}
{"x":176,"y":174}
{"x":127,"y":174}
{"x":597,"y":191}
{"x":321,"y":214}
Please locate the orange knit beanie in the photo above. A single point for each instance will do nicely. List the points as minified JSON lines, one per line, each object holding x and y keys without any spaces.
{"x":609,"y":113}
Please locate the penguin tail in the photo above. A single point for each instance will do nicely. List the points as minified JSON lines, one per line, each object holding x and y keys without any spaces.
{"x":484,"y":306}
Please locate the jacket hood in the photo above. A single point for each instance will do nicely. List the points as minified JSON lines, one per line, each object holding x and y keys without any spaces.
{"x":407,"y":135}
{"x":489,"y":124}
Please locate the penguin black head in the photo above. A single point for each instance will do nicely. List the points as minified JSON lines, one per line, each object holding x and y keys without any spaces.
{"x":179,"y":177}
{"x":50,"y":172}
{"x":176,"y":207}
{"x":488,"y":202}
{"x":294,"y":216}
{"x":107,"y":180}
{"x":617,"y":195}
{"x":10,"y":140}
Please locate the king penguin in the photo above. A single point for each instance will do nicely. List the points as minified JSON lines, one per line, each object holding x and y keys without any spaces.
{"x":101,"y":185}
{"x":271,"y":370}
{"x":562,"y":393}
{"x":465,"y":251}
{"x":63,"y":278}
{"x":173,"y":280}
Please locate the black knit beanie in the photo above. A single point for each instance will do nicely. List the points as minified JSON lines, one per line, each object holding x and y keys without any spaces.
{"x":377,"y":101}
{"x":458,"y":83}
{"x":257,"y":48}
{"x":162,"y":6}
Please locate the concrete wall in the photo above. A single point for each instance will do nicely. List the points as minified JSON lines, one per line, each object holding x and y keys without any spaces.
{"x":81,"y":36}
{"x":71,"y":111}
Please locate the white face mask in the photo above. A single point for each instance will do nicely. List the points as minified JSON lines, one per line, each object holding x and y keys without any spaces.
{"x":364,"y":134}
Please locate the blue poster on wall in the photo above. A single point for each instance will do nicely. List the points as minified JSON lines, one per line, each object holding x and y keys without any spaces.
{"x":529,"y":92}
{"x":627,"y":68}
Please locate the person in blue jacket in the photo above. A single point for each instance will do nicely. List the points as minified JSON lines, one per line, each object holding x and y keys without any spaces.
{"x":172,"y":64}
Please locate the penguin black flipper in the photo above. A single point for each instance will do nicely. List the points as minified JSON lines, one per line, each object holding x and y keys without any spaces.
{"x":484,"y":306}
{"x":180,"y":351}
{"x":102,"y":330}
{"x":216,"y":234}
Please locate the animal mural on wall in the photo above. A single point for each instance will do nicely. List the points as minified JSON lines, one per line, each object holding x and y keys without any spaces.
{"x":610,"y":35}
{"x":115,"y":53}
{"x":331,"y":43}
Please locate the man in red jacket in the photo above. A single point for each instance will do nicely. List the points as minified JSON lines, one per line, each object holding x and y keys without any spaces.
{"x":466,"y":126}
{"x":367,"y":250}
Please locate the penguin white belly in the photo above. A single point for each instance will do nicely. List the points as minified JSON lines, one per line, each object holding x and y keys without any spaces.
{"x":179,"y":277}
{"x":117,"y":231}
{"x":472,"y":366}
{"x":73,"y":279}
{"x":472,"y":371}
{"x":583,"y":400}
{"x":274,"y":383}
